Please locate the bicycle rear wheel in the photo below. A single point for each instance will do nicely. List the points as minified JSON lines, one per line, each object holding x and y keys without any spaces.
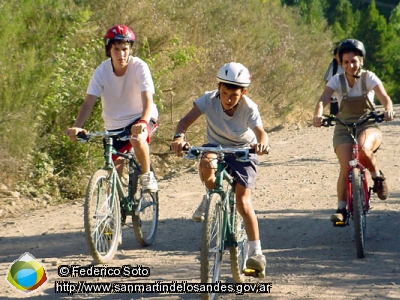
{"x":212,"y":246}
{"x":101,"y":218}
{"x":360,"y":219}
{"x":146,"y":221}
{"x":239,"y":253}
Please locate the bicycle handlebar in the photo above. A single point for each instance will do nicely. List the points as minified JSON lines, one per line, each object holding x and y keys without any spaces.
{"x":242,"y":154}
{"x":85,"y":137}
{"x":331,"y":120}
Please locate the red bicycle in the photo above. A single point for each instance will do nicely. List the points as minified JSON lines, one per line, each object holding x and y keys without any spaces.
{"x":358,"y":192}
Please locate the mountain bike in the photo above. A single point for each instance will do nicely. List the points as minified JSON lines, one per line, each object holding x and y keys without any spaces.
{"x":223,"y":227}
{"x":358,"y":192}
{"x":110,"y":199}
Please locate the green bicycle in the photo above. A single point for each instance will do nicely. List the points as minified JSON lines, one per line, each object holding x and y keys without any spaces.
{"x":223,"y":226}
{"x":110,"y":199}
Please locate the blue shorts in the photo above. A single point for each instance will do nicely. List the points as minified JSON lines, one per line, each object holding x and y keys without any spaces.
{"x":245,"y":173}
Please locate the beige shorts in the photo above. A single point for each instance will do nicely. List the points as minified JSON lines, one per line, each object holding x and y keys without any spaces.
{"x":342,"y":136}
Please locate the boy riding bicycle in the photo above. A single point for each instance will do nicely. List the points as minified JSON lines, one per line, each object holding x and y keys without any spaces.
{"x":126,"y":88}
{"x":233,"y":120}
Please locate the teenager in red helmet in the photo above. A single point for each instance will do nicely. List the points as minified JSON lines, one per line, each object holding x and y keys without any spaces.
{"x":125,"y":86}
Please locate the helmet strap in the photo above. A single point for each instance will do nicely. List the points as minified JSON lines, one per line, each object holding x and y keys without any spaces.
{"x":358,"y":73}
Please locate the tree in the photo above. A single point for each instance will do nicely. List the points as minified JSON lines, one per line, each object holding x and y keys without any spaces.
{"x":343,"y":18}
{"x":312,"y":11}
{"x":379,"y":39}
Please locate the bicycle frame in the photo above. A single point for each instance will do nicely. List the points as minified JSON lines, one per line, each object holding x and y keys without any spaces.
{"x":128,"y":199}
{"x":221,"y":174}
{"x":355,"y":163}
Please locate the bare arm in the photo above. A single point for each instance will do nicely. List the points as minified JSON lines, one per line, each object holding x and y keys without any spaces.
{"x":182,"y":126}
{"x":262,"y":140}
{"x":324,"y":100}
{"x":147,"y":100}
{"x":385,"y":100}
{"x":84,"y":113}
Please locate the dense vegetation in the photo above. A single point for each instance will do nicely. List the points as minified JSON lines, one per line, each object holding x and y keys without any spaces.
{"x":49,"y":50}
{"x":375,"y":23}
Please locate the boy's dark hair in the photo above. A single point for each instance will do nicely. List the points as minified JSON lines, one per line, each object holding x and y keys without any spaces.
{"x":230,"y":86}
{"x":112,"y":42}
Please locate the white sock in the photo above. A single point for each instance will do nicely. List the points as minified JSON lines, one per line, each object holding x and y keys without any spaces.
{"x":255,"y":247}
{"x":341,"y":204}
{"x":375,"y":174}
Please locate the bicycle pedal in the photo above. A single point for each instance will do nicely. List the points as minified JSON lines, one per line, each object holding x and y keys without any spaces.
{"x":339,"y":224}
{"x":254,"y":273}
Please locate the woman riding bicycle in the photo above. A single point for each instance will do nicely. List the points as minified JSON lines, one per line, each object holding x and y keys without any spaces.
{"x":355,"y":89}
{"x":233,"y":120}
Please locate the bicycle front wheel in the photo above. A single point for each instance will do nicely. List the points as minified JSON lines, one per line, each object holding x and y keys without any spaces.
{"x":212,"y":246}
{"x":101,"y":218}
{"x":145,"y":216}
{"x":359,"y":214}
{"x":239,"y":253}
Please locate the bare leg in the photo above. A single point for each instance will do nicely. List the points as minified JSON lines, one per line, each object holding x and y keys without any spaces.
{"x":246,"y":210}
{"x":142,"y":153}
{"x":369,"y":140}
{"x":343,"y":153}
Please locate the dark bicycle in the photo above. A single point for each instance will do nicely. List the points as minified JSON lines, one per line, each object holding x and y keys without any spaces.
{"x":223,"y":227}
{"x":111,"y":198}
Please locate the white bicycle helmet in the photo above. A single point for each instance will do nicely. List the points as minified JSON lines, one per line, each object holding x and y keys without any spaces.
{"x":234,"y":73}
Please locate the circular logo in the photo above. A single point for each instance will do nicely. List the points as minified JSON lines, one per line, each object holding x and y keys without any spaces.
{"x":26,"y":274}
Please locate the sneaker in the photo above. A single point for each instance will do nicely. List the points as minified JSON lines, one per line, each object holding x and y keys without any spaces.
{"x":149,"y":182}
{"x":340,"y":215}
{"x":380,"y":187}
{"x":199,"y":213}
{"x":256,"y":262}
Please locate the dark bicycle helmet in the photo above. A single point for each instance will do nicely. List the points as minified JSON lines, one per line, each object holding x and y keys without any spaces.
{"x":351,"y":45}
{"x":118,"y":32}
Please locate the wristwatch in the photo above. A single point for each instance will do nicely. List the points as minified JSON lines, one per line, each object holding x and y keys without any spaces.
{"x":178,"y":135}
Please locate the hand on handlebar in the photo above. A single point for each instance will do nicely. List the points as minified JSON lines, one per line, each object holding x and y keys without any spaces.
{"x":138,"y":128}
{"x":389,"y":115}
{"x":73,"y":132}
{"x":260,"y":149}
{"x":179,"y":145}
{"x":318,"y":120}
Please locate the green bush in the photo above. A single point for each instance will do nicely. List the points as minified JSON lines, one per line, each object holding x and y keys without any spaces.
{"x":60,"y":44}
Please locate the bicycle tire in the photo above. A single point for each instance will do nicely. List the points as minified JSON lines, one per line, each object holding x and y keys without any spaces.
{"x":238,"y":254}
{"x":211,"y":244}
{"x":359,"y":214}
{"x":146,"y":222}
{"x":101,"y":218}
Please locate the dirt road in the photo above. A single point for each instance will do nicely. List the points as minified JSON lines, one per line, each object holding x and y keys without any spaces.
{"x":295,"y":195}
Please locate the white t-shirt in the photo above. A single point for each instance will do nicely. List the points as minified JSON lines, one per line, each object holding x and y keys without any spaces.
{"x":223,"y":130}
{"x":121,"y":95}
{"x":371,"y":81}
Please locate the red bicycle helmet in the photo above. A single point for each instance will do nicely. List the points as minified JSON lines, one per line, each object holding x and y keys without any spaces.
{"x":118,"y":32}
